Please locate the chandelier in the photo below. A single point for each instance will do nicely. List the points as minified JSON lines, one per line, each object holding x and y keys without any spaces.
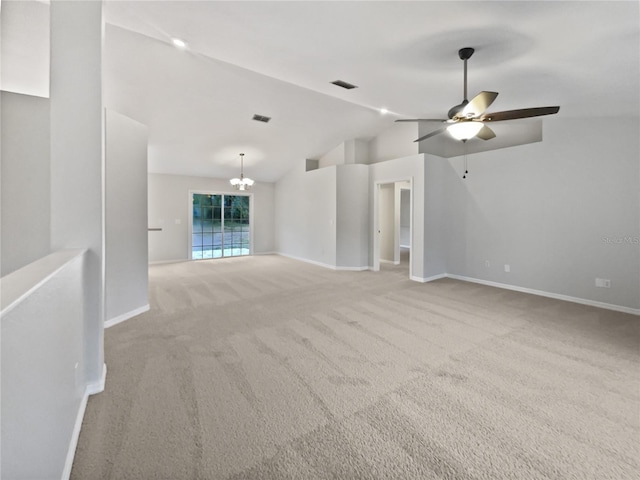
{"x":241,"y":183}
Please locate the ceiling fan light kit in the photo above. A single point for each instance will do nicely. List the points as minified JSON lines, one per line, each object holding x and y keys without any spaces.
{"x":468,"y":119}
{"x":464,"y":130}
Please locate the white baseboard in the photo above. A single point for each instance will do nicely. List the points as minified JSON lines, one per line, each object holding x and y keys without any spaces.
{"x":73,"y":443}
{"x":98,"y":386}
{"x":542,"y":293}
{"x":160,"y":262}
{"x":394,"y":262}
{"x":306,"y":260}
{"x":126,"y":316}
{"x":90,"y":389}
{"x":324,"y":265}
{"x":181,"y":260}
{"x":428,"y":279}
{"x":352,"y":269}
{"x":557,"y":296}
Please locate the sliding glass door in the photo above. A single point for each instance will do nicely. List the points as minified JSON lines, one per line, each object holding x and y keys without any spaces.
{"x":220,"y":226}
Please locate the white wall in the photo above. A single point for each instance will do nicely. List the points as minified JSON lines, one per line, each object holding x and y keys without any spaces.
{"x":436,"y":242}
{"x":352,"y":204}
{"x":169,"y":209}
{"x":405,"y":222}
{"x":52,"y":337}
{"x":322,"y":216}
{"x":386,"y":219}
{"x":77,"y":157}
{"x":356,"y":151}
{"x":25,"y":176}
{"x":395,"y":142}
{"x":126,"y":248}
{"x":547,"y":210}
{"x":332,"y":157}
{"x":305,"y":215}
{"x":560,"y":212}
{"x":309,"y":205}
{"x":24,"y":48}
{"x":347,"y":153}
{"x":404,"y":169}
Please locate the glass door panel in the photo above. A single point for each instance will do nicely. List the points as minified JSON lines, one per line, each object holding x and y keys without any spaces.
{"x":220,"y":226}
{"x":202,"y":226}
{"x":237,"y":224}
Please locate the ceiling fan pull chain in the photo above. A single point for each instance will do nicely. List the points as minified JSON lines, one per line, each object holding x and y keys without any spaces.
{"x":466,"y":170}
{"x":465,"y":166}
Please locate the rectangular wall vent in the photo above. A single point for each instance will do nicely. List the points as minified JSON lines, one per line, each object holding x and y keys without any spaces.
{"x":342,"y":84}
{"x":261,"y":118}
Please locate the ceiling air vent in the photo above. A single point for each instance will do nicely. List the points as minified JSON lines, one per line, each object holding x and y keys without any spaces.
{"x":261,"y":118}
{"x":342,"y":84}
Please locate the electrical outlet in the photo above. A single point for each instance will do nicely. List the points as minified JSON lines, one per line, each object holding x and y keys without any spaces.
{"x":486,"y":263}
{"x":603,"y":283}
{"x":507,"y":267}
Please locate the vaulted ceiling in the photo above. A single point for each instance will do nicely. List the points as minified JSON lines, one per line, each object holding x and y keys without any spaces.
{"x":278,"y":59}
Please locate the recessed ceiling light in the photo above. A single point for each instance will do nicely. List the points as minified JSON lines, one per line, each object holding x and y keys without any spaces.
{"x":384,"y":111}
{"x":179,"y":43}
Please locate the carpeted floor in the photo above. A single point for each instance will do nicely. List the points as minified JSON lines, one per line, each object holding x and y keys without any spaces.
{"x":268,"y":368}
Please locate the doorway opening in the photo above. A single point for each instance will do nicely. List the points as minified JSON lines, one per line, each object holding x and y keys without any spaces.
{"x":220,"y":225}
{"x":393,"y":214}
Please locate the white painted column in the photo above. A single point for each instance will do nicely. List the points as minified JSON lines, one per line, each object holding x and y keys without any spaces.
{"x":77,"y":156}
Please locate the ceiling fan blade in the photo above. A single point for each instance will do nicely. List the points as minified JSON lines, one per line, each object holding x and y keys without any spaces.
{"x":478,"y":104}
{"x":521,"y":113}
{"x":486,"y":133}
{"x":432,"y":134}
{"x":422,"y":120}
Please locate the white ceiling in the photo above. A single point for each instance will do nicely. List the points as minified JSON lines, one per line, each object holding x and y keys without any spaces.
{"x":278,"y":59}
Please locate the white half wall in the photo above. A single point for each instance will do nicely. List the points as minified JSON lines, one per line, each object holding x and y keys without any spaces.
{"x":42,"y":349}
{"x":25,"y":174}
{"x":169,"y":209}
{"x":126,"y":247}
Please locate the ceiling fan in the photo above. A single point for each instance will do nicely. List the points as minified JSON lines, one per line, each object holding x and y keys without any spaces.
{"x":468,"y":120}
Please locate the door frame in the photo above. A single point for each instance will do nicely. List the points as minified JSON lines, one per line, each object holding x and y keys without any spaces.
{"x":375,"y":232}
{"x":190,"y":217}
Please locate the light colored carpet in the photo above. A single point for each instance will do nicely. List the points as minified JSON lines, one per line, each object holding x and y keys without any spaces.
{"x":268,"y":368}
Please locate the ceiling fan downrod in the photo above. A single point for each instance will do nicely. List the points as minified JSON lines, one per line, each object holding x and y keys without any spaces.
{"x":465,"y":54}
